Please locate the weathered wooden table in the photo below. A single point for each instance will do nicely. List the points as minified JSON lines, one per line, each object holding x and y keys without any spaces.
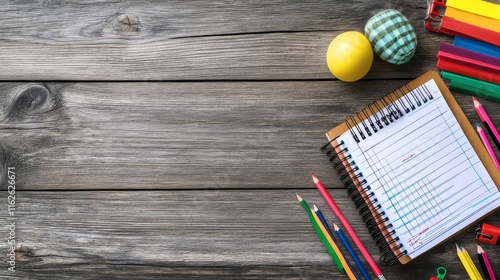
{"x":167,"y":140}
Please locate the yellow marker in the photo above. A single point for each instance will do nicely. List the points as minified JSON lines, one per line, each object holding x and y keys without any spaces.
{"x":334,"y":246}
{"x":474,"y":19}
{"x":482,"y":8}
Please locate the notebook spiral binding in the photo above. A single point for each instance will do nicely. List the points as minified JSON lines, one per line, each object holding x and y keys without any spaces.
{"x":386,"y":110}
{"x":364,"y":124}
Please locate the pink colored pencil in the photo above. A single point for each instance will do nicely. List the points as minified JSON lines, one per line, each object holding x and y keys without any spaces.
{"x":329,"y":200}
{"x":486,"y":143}
{"x":489,"y":270}
{"x":487,"y":121}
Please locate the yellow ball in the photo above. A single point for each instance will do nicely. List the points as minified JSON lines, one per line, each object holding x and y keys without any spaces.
{"x":349,"y":56}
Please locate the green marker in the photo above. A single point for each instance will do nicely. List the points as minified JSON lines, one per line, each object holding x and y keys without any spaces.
{"x":475,"y":87}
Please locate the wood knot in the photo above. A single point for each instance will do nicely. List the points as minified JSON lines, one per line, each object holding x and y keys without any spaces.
{"x":32,"y":99}
{"x":127,"y":23}
{"x":24,"y":252}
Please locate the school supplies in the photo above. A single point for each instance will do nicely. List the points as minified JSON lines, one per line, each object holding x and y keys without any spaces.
{"x":455,"y":27}
{"x":487,"y":122}
{"x":477,"y":46}
{"x":323,"y":221}
{"x":469,"y":53}
{"x":441,"y":273}
{"x":468,"y":264}
{"x":482,"y":8}
{"x":488,"y":234}
{"x":472,"y":86}
{"x":353,"y":254}
{"x":410,"y":162}
{"x":329,"y":200}
{"x":487,"y":145}
{"x":468,"y":57}
{"x":329,"y":230}
{"x":475,"y":19}
{"x":320,"y":234}
{"x":472,"y":64}
{"x":484,"y":261}
{"x":465,"y":18}
{"x":336,"y":249}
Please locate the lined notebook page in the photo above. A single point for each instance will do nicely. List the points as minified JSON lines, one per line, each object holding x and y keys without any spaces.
{"x":425,"y":174}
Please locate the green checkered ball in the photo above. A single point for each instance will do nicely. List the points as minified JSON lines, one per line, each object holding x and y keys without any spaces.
{"x":392,"y":37}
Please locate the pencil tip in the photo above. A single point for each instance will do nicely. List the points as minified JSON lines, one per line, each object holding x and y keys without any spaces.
{"x":299,"y":198}
{"x":480,"y":249}
{"x":476,"y":103}
{"x":335,"y":227}
{"x":315,"y":208}
{"x":314,"y":178}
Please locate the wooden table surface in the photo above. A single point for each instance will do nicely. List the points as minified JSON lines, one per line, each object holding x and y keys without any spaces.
{"x":167,"y":139}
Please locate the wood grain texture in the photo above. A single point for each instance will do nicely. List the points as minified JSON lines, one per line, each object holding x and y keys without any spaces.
{"x":167,"y":139}
{"x":177,"y":135}
{"x":191,"y":234}
{"x":191,"y":40}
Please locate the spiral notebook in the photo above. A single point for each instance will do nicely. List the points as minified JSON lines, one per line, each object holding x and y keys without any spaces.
{"x":415,"y":168}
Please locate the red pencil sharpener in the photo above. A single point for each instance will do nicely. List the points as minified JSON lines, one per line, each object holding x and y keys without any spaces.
{"x":488,"y":234}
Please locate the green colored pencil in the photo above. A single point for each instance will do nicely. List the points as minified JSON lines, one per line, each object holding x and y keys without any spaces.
{"x":321,"y":236}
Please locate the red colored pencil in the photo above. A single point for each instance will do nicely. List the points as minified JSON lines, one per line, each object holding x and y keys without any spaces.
{"x":329,"y":200}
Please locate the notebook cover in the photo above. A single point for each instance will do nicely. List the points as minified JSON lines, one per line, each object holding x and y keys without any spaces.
{"x":462,"y":120}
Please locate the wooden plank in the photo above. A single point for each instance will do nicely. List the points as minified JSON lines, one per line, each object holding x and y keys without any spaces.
{"x":177,"y":135}
{"x":188,"y":234}
{"x":195,"y":40}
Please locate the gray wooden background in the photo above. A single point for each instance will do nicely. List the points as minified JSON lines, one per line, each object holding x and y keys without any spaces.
{"x":167,"y":139}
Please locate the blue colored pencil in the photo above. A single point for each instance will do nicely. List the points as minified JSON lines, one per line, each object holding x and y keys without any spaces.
{"x":325,"y":224}
{"x":323,"y":220}
{"x":351,"y":252}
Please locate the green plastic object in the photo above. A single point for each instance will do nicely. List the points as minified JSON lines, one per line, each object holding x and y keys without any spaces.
{"x":475,"y":87}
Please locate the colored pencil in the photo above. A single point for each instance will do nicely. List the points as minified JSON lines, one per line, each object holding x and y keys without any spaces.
{"x":484,"y":261}
{"x":347,"y":268}
{"x":329,"y":200}
{"x":323,"y":221}
{"x":320,"y":234}
{"x":487,"y":145}
{"x":353,"y":254}
{"x":483,"y":266}
{"x":487,"y":122}
{"x":468,"y":264}
{"x":330,"y":232}
{"x":471,"y":263}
